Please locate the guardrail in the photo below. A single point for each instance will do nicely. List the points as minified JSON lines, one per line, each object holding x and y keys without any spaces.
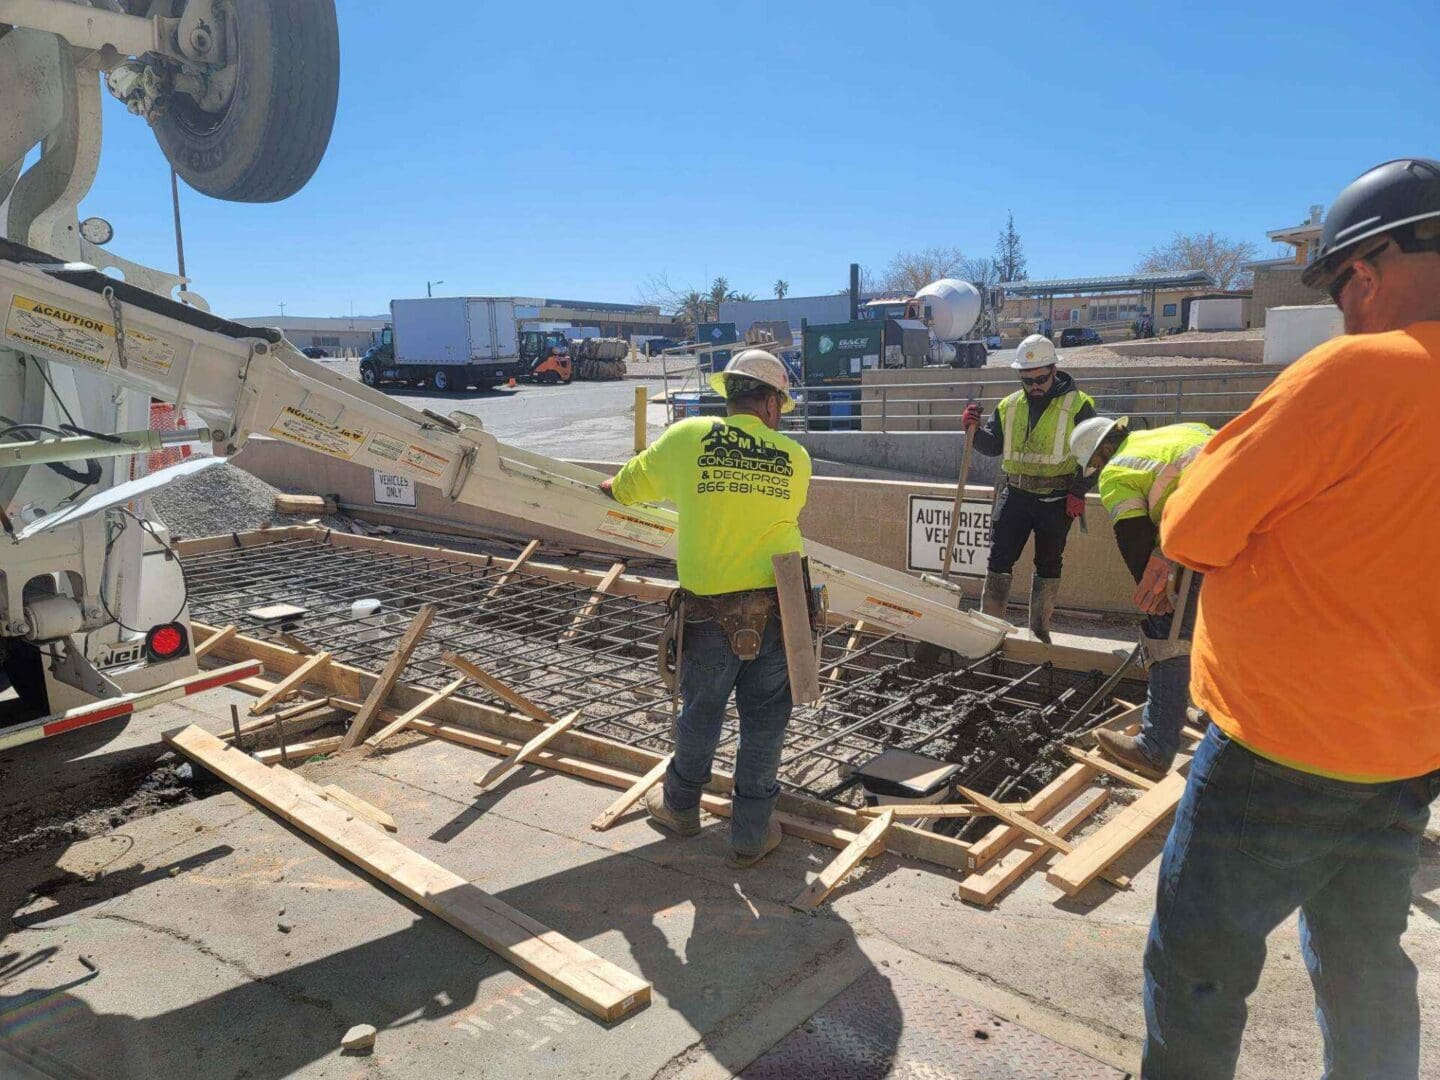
{"x":1149,"y":401}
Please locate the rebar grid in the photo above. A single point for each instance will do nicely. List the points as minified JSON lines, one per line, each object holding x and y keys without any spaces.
{"x":524,"y":631}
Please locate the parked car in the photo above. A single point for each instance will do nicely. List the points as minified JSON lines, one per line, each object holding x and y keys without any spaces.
{"x":1072,"y":336}
{"x":993,"y":342}
{"x":314,"y":352}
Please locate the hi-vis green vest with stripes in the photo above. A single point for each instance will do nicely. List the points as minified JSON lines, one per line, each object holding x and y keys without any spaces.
{"x":1042,"y":450}
{"x":1144,"y":473}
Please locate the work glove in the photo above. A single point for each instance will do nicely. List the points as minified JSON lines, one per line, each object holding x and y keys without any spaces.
{"x":1075,"y":505}
{"x":1152,"y":594}
{"x":970,"y":418}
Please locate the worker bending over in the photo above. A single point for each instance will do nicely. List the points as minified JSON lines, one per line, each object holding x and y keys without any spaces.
{"x":1139,"y":471}
{"x":1317,"y":656}
{"x":739,"y":487}
{"x":1044,"y":489}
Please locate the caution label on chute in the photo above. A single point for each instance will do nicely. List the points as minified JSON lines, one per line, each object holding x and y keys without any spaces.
{"x":299,"y":427}
{"x":83,"y":338}
{"x":874,"y":609}
{"x":637,"y":530}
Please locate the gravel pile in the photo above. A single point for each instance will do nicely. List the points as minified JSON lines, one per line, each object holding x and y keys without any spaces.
{"x":222,"y":500}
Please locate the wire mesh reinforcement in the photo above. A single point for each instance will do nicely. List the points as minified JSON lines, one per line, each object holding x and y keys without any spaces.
{"x":999,"y":719}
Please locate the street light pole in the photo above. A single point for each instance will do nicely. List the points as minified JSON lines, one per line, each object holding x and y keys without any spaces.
{"x":428,"y":284}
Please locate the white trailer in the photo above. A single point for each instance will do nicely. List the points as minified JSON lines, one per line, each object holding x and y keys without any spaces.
{"x":453,"y":342}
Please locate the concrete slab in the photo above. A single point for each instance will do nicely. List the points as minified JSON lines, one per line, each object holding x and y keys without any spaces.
{"x":196,"y":978}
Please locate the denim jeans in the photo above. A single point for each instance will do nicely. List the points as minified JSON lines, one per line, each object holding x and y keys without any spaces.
{"x":1168,"y":693}
{"x":709,"y":670}
{"x":1252,"y":841}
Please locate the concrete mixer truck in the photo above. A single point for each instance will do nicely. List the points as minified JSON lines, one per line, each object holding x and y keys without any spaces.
{"x":952,"y":309}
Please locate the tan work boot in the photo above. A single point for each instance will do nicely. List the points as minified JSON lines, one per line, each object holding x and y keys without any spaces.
{"x":740,"y":860}
{"x":679,"y":822}
{"x":1124,"y":750}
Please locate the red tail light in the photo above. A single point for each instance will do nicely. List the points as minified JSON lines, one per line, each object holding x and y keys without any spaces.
{"x":166,"y":641}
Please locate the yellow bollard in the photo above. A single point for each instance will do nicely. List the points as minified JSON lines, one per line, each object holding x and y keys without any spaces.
{"x":642,"y":401}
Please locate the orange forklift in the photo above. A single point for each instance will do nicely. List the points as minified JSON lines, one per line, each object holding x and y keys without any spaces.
{"x":546,"y":357}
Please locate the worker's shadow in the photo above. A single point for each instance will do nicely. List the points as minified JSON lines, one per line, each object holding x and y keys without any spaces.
{"x":720,"y":947}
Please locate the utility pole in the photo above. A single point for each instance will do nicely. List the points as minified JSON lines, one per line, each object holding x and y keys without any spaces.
{"x":428,"y":285}
{"x":282,"y":309}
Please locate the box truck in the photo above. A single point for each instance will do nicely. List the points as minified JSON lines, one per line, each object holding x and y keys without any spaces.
{"x":449,"y":342}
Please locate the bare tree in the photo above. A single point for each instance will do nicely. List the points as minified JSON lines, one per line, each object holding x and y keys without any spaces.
{"x":911,"y":271}
{"x":1224,"y":260}
{"x":1009,"y":252}
{"x":781,"y":287}
{"x":868,"y":284}
{"x":981,"y":272}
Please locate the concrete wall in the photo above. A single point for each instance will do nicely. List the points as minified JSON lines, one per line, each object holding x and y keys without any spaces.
{"x":924,"y":453}
{"x":1293,"y":331}
{"x":1279,"y":286}
{"x":1249,"y":350}
{"x":868,"y":518}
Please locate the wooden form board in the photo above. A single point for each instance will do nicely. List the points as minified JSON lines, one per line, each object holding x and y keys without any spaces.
{"x":1087,"y":861}
{"x":820,"y":818}
{"x":526,"y":752}
{"x":290,"y":682}
{"x":300,"y":752}
{"x":305,"y":504}
{"x":633,"y":794}
{"x":519,"y":561}
{"x":985,"y":887}
{"x":1100,"y":763}
{"x":1039,"y":832}
{"x":1044,"y":802}
{"x":795,"y":627}
{"x":403,"y":720}
{"x":597,"y":597}
{"x":567,"y":968}
{"x":829,"y":879}
{"x":369,"y":811}
{"x":383,"y":685}
{"x":224,"y":634}
{"x":498,"y":688}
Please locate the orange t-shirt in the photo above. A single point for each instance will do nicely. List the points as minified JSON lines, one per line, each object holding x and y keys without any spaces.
{"x":1315,"y":517}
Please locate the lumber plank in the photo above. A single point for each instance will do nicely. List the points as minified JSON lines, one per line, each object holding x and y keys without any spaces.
{"x":633,"y":794}
{"x":1039,"y":832}
{"x":393,"y":667}
{"x":595,"y":984}
{"x":290,"y":682}
{"x":304,"y":504}
{"x":795,"y":628}
{"x":929,"y":810}
{"x":597,"y":597}
{"x":515,"y":564}
{"x":1100,"y":763}
{"x":301,"y":751}
{"x":219,"y":637}
{"x":404,"y":718}
{"x":499,"y":772}
{"x":1087,"y":861}
{"x":340,"y":796}
{"x":1044,"y":802}
{"x":288,"y":717}
{"x":985,"y":887}
{"x":498,"y":688}
{"x":829,"y":879}
{"x":837,"y":673}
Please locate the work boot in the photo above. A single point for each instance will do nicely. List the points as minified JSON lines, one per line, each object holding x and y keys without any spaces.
{"x":741,"y":861}
{"x":679,"y":822}
{"x":1125,"y":750}
{"x":1044,"y":591}
{"x":996,"y":594}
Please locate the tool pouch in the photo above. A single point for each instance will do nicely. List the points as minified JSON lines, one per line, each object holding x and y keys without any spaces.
{"x":742,"y":615}
{"x":672,"y":633}
{"x":1154,"y":650}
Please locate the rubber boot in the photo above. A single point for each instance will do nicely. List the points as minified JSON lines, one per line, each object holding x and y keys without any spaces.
{"x":1044,"y":591}
{"x":996,"y":594}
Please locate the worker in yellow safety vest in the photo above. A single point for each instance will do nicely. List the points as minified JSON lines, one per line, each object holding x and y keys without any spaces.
{"x":1044,"y":489}
{"x":739,"y":486}
{"x":1139,"y":471}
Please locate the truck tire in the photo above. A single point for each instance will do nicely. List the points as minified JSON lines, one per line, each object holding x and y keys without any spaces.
{"x":268,"y":141}
{"x":370,"y":375}
{"x":443,"y":381}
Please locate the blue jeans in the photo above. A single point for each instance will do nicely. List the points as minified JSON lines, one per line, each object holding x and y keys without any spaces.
{"x":1252,"y":841}
{"x":1168,"y":693}
{"x":709,"y":670}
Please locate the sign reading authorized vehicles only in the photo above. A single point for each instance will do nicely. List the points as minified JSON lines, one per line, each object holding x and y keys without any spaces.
{"x":929,"y":525}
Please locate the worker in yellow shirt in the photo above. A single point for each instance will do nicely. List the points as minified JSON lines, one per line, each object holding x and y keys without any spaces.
{"x":739,"y":486}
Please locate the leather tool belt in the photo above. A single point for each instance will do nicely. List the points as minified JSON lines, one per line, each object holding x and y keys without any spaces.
{"x":742,"y":615}
{"x":1040,"y":485}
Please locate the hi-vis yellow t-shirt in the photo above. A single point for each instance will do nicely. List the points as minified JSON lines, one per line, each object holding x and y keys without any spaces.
{"x":739,"y":488}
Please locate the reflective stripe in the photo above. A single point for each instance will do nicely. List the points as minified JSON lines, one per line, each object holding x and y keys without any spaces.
{"x":1169,"y":476}
{"x":1125,"y":506}
{"x":1058,"y":454}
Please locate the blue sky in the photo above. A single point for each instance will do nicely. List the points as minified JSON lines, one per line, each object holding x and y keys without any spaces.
{"x":574,"y":149}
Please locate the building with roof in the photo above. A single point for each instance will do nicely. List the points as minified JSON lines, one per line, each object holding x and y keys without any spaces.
{"x":338,"y":335}
{"x":1277,"y":281}
{"x":830,"y":308}
{"x":1101,"y":303}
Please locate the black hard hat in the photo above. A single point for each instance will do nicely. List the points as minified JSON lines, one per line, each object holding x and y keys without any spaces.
{"x":1391,"y":196}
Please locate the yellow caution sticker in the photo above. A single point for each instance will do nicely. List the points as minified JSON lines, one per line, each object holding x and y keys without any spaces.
{"x":873,"y":609}
{"x":82,"y":338}
{"x":650,"y":534}
{"x":299,"y":427}
{"x":146,"y":354}
{"x":425,"y":461}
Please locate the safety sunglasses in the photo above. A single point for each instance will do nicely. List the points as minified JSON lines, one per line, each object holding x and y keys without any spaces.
{"x":1342,"y":278}
{"x":1037,"y":380}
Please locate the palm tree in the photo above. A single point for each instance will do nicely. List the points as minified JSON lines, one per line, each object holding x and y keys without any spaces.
{"x":781,"y":287}
{"x":719,"y":291}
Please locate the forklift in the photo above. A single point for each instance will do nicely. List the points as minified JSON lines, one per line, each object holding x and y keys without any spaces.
{"x":546,"y":356}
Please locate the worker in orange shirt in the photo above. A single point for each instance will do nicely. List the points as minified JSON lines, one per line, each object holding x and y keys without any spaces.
{"x":1320,"y":671}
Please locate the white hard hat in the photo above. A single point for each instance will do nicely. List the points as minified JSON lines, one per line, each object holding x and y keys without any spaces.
{"x":1089,"y":434}
{"x":1036,"y":351}
{"x":760,"y":365}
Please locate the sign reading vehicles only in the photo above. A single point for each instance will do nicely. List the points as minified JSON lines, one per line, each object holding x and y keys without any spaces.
{"x":929,"y":526}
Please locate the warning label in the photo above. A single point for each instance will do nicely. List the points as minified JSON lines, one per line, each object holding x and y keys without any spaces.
{"x":301,"y":428}
{"x":422,"y":460}
{"x":148,"y":354}
{"x":386,"y":446}
{"x":649,"y":534}
{"x":80,"y":337}
{"x":873,"y":609}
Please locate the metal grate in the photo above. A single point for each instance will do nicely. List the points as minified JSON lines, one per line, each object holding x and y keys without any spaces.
{"x":996,"y":717}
